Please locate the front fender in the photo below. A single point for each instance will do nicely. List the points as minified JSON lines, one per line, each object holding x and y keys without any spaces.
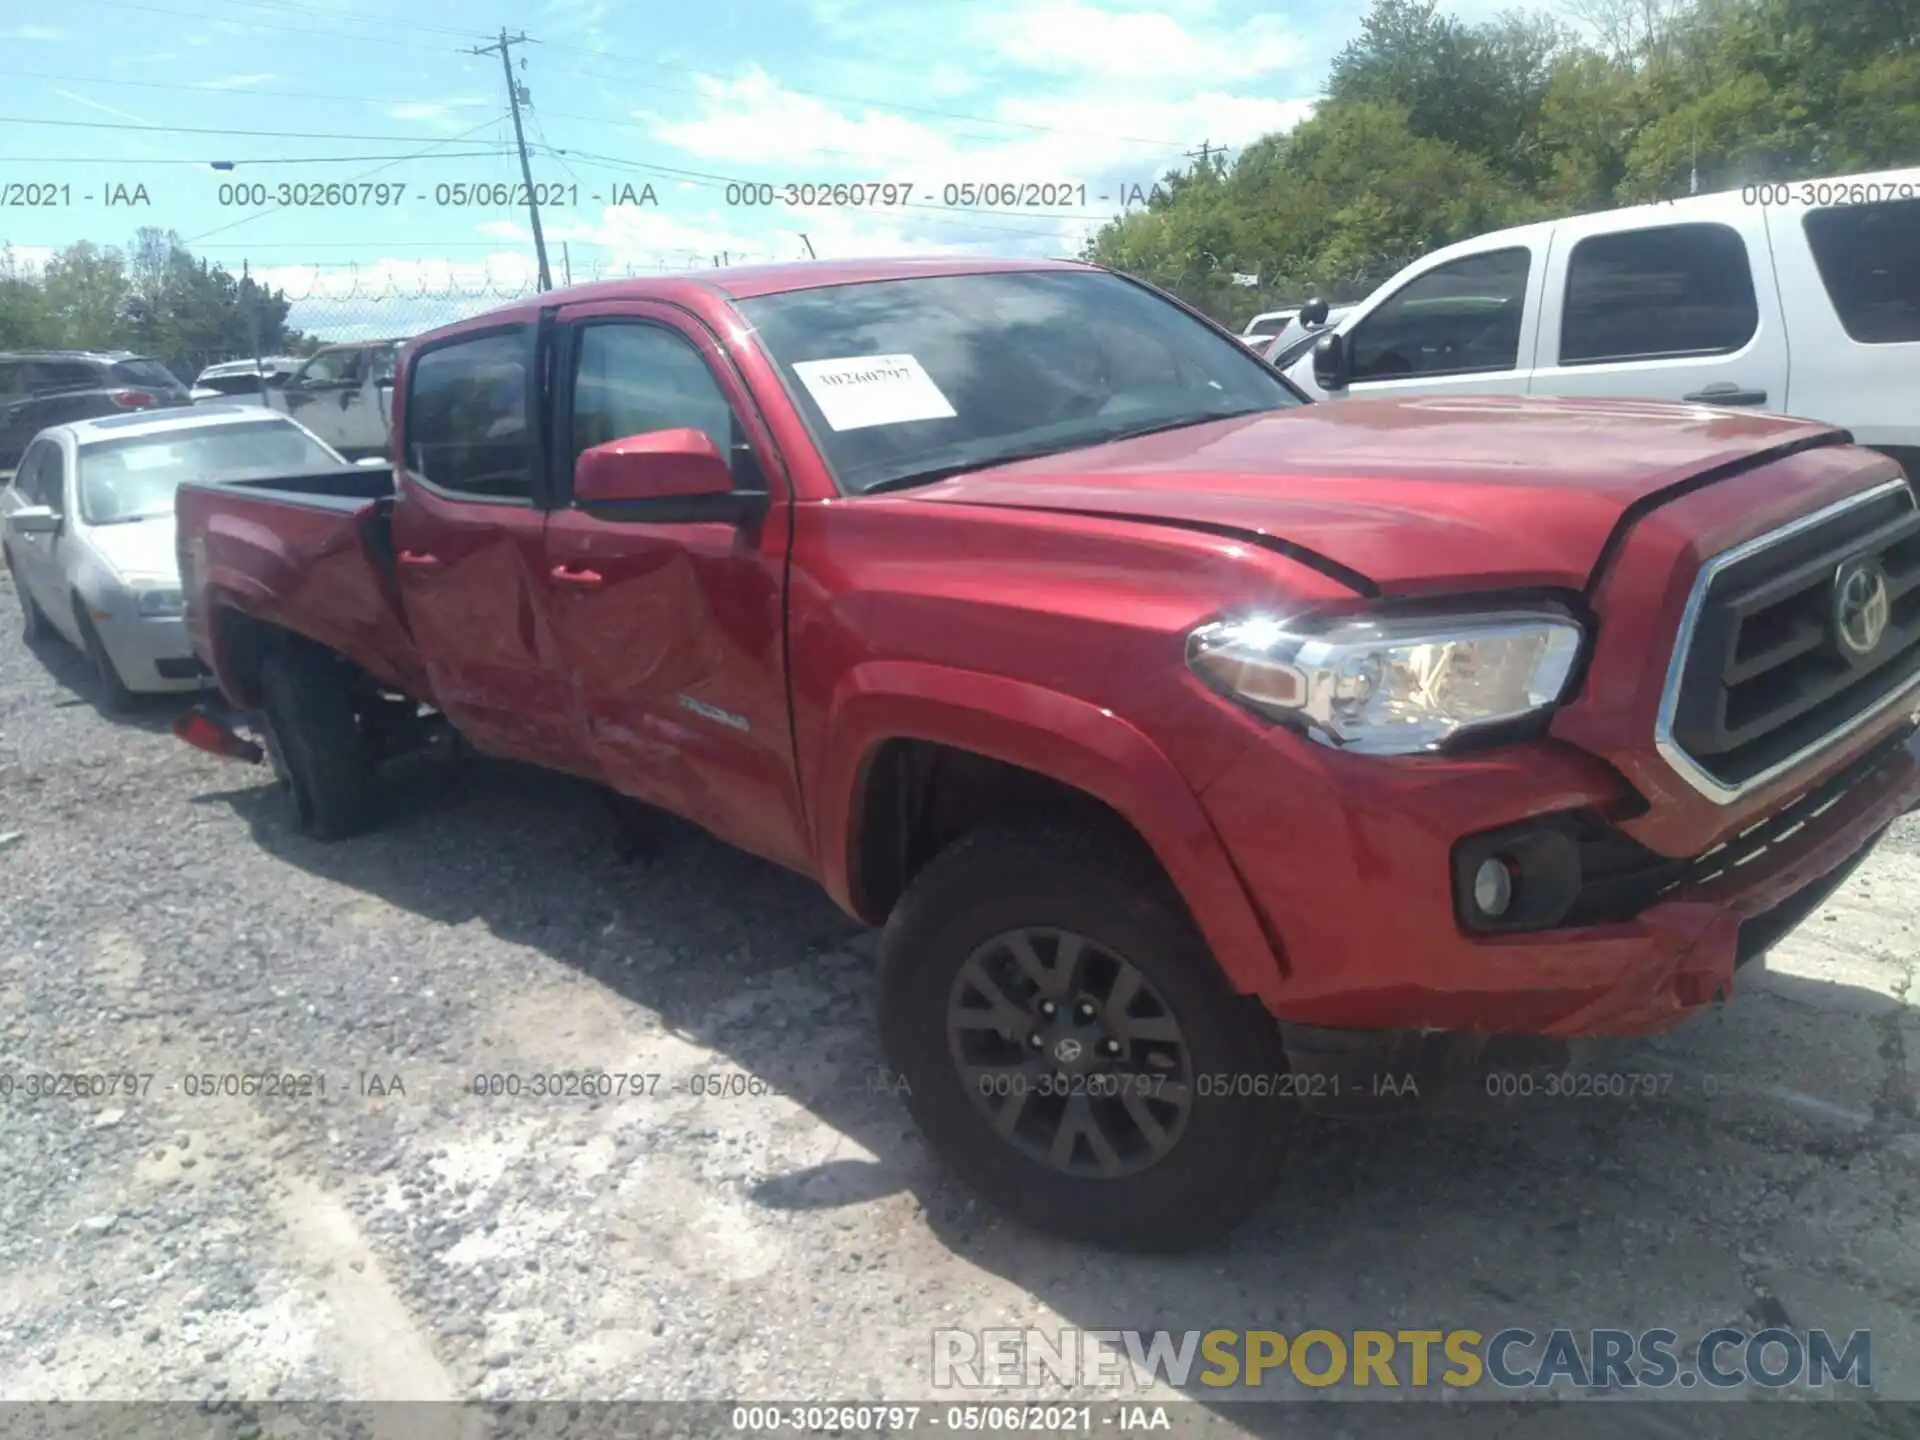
{"x":1064,"y":738}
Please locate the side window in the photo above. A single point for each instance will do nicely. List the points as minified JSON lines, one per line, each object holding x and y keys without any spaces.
{"x":466,"y":417}
{"x":1461,"y":318}
{"x":326,"y":368}
{"x":1869,"y":259}
{"x":633,"y":378}
{"x":1675,"y":290}
{"x":40,"y":475}
{"x":381,"y":362}
{"x":54,"y":376}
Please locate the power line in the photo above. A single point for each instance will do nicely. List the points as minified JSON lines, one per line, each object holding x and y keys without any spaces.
{"x":709,"y":179}
{"x":397,"y":160}
{"x":221,"y":130}
{"x":128,"y":163}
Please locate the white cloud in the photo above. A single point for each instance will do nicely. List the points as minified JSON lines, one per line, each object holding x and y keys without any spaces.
{"x":442,"y":115}
{"x":752,"y":128}
{"x":32,"y":32}
{"x":1074,"y":37}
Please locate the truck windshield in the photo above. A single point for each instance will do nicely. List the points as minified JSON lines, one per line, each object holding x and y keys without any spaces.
{"x":134,"y":479}
{"x":905,"y":381}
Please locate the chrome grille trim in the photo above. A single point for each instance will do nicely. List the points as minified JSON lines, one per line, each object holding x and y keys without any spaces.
{"x":1670,"y":750}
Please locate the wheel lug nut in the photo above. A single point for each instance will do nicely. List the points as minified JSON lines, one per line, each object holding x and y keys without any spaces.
{"x":1047,"y":1007}
{"x":1035,"y":1041}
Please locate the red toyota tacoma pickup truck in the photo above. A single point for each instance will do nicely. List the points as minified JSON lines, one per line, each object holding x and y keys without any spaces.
{"x":1180,"y":733}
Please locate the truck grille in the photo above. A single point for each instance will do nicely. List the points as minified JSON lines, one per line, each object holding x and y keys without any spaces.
{"x":1792,"y":639}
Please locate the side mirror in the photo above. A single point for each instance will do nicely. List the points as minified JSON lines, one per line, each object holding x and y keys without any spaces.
{"x":278,"y":379}
{"x":383,"y":382}
{"x":35,"y":520}
{"x":1331,"y":364}
{"x":662,"y":476}
{"x":1314,"y":312}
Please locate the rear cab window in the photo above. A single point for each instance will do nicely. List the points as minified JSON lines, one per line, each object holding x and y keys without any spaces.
{"x":1659,"y":293}
{"x":1868,"y":257}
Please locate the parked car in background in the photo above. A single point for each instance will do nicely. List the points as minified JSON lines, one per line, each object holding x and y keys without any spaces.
{"x":1265,"y":327}
{"x":1316,"y":317}
{"x":344,"y":394}
{"x":51,"y":387}
{"x":239,"y":381}
{"x":1800,"y":298}
{"x":87,"y":530}
{"x":1196,"y":746}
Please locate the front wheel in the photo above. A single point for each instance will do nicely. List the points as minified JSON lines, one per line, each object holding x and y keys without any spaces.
{"x":1065,"y":1037}
{"x":114,"y":696}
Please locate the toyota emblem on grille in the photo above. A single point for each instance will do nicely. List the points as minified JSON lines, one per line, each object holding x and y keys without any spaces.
{"x":1067,"y":1051}
{"x":1861,"y":605}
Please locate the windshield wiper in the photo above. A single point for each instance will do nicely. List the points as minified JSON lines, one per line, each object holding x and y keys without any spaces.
{"x":1164,"y":425}
{"x":963,"y":467}
{"x":947,"y":472}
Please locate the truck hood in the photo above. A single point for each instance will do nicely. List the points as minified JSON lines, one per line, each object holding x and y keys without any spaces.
{"x":1405,"y":495}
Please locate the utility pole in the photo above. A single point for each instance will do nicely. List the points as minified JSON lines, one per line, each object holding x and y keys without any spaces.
{"x":1206,"y":149}
{"x":566,"y":262}
{"x":505,"y":46}
{"x":809,"y":244}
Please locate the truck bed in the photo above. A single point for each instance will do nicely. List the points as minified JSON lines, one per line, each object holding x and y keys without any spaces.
{"x":308,"y":553}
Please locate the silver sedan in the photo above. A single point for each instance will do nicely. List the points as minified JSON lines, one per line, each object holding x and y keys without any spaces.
{"x":87,"y":530}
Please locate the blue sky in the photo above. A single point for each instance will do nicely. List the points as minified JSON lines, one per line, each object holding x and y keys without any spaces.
{"x":1103,"y":94}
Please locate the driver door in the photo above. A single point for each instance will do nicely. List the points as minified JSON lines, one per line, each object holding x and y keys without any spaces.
{"x":672,"y":625}
{"x":36,"y":558}
{"x":1462,"y":327}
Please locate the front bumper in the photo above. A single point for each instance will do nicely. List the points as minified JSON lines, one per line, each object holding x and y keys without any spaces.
{"x":153,"y":654}
{"x":1349,"y":860}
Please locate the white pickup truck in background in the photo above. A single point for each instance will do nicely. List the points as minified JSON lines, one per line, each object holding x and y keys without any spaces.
{"x":1798,"y":297}
{"x":344,"y":395}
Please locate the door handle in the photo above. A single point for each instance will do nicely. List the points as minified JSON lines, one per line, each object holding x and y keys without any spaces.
{"x":1727,"y":393}
{"x":419,"y":560}
{"x":584,"y":579}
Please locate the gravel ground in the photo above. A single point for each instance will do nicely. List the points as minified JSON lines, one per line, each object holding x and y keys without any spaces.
{"x":402,"y":1238}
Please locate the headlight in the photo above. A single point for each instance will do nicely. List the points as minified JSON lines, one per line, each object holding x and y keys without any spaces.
{"x":157,"y":601}
{"x":1390,"y":685}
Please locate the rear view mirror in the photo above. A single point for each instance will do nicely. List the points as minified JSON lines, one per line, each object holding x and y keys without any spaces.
{"x":663,"y":475}
{"x":35,"y":520}
{"x":1330,"y":362}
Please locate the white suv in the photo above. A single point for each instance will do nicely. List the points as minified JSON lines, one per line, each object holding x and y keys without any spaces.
{"x":1801,"y":298}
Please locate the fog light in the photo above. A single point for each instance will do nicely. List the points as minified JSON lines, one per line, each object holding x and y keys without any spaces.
{"x":1493,"y":887}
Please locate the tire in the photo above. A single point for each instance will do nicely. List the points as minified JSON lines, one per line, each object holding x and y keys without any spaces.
{"x":1084,"y":878}
{"x":34,"y":625}
{"x":313,"y":739}
{"x":114,"y":698}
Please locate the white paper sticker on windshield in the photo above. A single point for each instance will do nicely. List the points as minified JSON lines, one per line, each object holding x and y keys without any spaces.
{"x":873,"y":390}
